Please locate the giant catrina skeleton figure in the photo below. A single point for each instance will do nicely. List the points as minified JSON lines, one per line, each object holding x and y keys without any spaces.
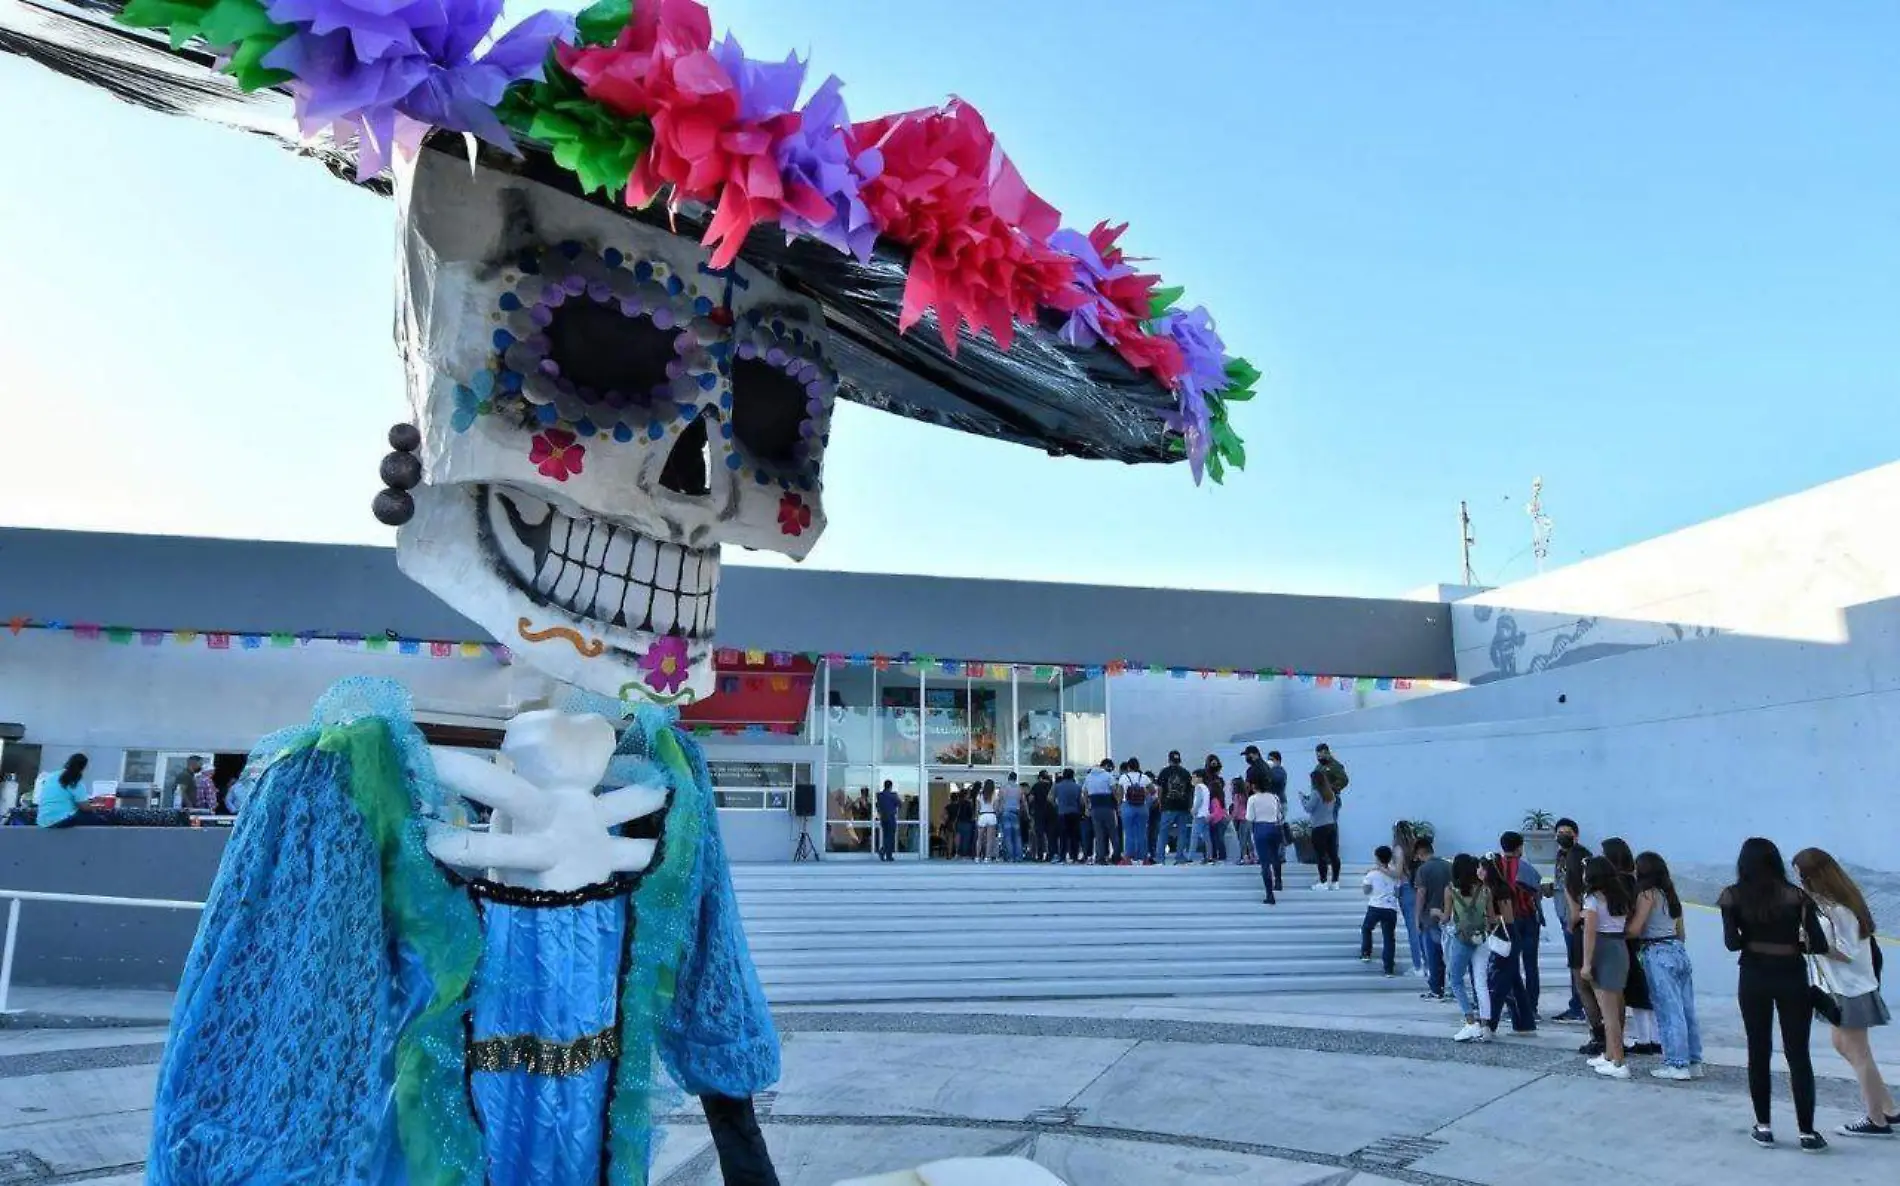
{"x":605,"y":391}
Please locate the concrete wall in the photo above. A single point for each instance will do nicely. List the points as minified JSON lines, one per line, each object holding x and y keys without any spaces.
{"x":1686,"y":749}
{"x":1784,"y":569}
{"x":102,"y":699}
{"x":108,"y":946}
{"x":1152,"y":714}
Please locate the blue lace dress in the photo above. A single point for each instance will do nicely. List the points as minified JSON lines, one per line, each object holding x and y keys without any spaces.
{"x":353,"y":1013}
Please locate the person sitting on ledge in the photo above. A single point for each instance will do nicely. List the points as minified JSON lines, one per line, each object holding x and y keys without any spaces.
{"x":61,"y":798}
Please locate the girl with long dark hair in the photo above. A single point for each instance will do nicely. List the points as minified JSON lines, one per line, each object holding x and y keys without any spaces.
{"x":1772,"y":923}
{"x":60,"y":799}
{"x":1850,"y":971}
{"x":1237,"y":795}
{"x":1656,"y":927}
{"x":1467,"y":910}
{"x":1606,"y":956}
{"x":1505,"y":983}
{"x":1640,"y":1035}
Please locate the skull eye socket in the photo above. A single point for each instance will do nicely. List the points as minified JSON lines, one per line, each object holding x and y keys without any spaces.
{"x":610,"y":357}
{"x":768,"y":410}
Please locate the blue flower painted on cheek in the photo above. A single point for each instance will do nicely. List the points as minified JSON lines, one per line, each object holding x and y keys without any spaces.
{"x":473,"y":399}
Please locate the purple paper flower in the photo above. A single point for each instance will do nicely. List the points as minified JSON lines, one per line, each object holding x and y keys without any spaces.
{"x":818,"y":157}
{"x":666,"y":664}
{"x":1088,"y":324}
{"x":383,"y":72}
{"x":1206,"y":373}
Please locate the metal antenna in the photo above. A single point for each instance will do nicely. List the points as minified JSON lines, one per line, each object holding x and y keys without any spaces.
{"x":1466,"y":540}
{"x":1540,"y":523}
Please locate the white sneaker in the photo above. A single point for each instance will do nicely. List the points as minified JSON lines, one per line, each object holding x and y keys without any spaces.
{"x":1473,"y":1032}
{"x":1598,"y":1061}
{"x":1318,"y":886}
{"x":1612,"y":1070}
{"x":1331,"y":886}
{"x":1674,"y":1074}
{"x":1696,"y":1071}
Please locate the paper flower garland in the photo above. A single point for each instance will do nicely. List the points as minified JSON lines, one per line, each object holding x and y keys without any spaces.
{"x":637,"y":99}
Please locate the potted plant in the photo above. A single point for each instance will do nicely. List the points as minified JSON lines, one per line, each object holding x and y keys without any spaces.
{"x":1302,"y":834}
{"x":1540,"y":836}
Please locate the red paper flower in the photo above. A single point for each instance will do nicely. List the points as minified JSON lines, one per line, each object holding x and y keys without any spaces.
{"x":794,"y":517}
{"x":556,"y":454}
{"x":978,"y":235}
{"x":711,"y":139}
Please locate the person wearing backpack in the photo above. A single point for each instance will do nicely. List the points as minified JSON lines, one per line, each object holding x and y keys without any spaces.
{"x":1527,"y":922}
{"x":1177,"y":810}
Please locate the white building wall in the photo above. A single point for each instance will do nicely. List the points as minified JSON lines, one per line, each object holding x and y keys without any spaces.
{"x":1152,"y":714}
{"x":1784,"y":569}
{"x":1684,"y":749}
{"x":103,"y":699}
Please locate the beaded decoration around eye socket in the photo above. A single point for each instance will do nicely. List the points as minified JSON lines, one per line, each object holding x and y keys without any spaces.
{"x":526,"y":378}
{"x":795,"y":361}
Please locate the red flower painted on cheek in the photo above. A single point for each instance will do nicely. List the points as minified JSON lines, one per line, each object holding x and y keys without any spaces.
{"x":557,"y":454}
{"x":794,"y":517}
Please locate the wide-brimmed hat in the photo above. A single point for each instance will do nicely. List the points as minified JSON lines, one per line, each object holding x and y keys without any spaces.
{"x":1038,"y":334}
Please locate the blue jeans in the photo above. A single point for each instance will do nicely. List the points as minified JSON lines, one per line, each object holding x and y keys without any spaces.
{"x":1672,"y":993}
{"x":1526,"y":933}
{"x":1266,"y":843}
{"x":1198,"y":842}
{"x":1217,"y":839}
{"x":1507,"y":988}
{"x":887,"y":833}
{"x":1179,"y":826}
{"x":1408,"y":910}
{"x":1012,"y":836}
{"x":1102,"y":825}
{"x":1468,"y":971}
{"x":1431,"y":938}
{"x":1135,"y":831}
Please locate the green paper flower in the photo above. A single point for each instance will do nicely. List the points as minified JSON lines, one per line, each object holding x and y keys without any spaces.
{"x":584,"y":137}
{"x":237,"y":29}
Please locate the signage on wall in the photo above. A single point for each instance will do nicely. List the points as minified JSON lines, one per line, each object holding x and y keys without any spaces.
{"x":754,"y":786}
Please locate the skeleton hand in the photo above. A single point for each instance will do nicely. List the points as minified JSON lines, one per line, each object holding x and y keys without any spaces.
{"x":549,"y":831}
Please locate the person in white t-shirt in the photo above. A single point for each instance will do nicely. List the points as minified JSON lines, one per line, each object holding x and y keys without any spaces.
{"x":1382,"y":906}
{"x":1266,"y":815}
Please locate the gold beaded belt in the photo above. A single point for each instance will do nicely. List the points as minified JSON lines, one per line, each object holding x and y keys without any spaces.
{"x":540,"y":1056}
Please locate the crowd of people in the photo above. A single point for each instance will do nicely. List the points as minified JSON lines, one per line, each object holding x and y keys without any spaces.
{"x":1806,"y":946}
{"x":1121,"y":814}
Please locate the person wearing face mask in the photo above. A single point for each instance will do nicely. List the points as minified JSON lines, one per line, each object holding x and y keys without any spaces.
{"x":1566,"y":891}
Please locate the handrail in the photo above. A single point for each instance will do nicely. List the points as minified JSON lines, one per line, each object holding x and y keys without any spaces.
{"x":15,"y":897}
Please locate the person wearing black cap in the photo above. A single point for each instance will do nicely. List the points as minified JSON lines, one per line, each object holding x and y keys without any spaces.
{"x":1177,"y":809}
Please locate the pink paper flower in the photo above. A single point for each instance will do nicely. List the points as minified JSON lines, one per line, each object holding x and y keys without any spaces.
{"x":979,"y":238}
{"x":556,"y":454}
{"x":794,"y":517}
{"x":718,"y":118}
{"x":665,"y":664}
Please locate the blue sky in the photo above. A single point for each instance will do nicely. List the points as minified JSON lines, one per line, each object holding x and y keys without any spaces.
{"x":1650,"y":252}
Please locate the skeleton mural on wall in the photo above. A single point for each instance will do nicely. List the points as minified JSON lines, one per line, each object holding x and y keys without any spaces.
{"x":599,"y":403}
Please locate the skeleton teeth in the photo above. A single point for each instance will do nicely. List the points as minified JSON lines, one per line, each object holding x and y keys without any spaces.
{"x":634,"y":608}
{"x":619,"y":556}
{"x":568,"y":585}
{"x":550,"y":572}
{"x":667,"y":575}
{"x":665,"y":611}
{"x":597,"y":535}
{"x":608,"y":596}
{"x":557,"y":541}
{"x":644,"y":554}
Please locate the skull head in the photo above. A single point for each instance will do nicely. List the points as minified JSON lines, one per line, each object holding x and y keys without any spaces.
{"x":599,"y":412}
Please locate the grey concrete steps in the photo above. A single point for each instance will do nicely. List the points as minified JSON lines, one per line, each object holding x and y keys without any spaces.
{"x":865,"y":931}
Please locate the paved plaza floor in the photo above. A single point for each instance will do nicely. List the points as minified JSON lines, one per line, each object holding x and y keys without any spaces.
{"x":1277,"y":1090}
